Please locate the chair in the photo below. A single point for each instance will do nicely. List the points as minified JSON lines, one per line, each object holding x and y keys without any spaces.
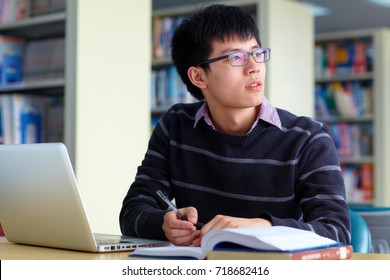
{"x":360,"y":234}
{"x":378,"y":221}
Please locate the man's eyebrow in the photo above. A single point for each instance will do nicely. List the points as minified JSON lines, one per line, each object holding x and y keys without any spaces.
{"x":230,"y":50}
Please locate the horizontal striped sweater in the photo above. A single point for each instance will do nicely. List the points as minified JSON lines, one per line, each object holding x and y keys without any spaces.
{"x":289,"y":175}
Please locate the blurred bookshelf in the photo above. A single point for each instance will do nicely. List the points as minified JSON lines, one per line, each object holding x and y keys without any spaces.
{"x":32,"y":67}
{"x":350,"y":93}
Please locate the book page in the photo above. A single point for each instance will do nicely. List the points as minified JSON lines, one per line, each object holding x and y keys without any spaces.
{"x":171,"y":252}
{"x":276,"y":238}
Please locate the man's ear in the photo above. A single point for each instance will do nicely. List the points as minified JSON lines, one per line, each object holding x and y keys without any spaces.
{"x":196,"y":74}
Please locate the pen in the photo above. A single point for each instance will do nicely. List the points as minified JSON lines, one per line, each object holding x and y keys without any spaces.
{"x":171,"y":206}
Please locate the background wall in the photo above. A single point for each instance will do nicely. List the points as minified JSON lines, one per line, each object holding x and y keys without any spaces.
{"x":112,"y":115}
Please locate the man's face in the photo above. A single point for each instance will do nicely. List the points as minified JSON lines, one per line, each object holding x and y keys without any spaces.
{"x":230,"y":87}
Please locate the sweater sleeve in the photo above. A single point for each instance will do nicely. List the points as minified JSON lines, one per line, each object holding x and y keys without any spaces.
{"x":142,"y":212}
{"x":320,"y":191}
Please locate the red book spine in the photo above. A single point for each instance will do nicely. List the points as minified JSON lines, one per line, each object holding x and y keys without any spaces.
{"x":367,"y":185}
{"x":331,"y":253}
{"x":331,"y":66}
{"x":360,"y":60}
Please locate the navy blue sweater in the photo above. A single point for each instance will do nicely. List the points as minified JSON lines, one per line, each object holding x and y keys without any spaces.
{"x":290,"y":176}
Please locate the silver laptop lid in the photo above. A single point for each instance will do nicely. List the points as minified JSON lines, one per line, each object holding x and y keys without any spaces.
{"x":40,"y":202}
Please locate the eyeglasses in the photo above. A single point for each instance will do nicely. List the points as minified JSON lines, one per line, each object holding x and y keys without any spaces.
{"x":260,"y":55}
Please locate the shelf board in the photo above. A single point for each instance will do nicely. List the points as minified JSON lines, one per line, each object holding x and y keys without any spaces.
{"x":42,"y":86}
{"x":247,"y":5}
{"x":357,"y":160}
{"x":337,"y":119}
{"x":50,"y":25}
{"x":345,"y":78}
{"x":160,"y":63}
{"x":159,"y":110}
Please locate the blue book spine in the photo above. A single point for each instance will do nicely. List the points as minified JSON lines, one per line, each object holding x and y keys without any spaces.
{"x":30,"y":127}
{"x":12,"y":69}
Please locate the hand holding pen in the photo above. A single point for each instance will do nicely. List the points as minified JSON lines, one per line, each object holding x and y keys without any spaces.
{"x":172,"y":207}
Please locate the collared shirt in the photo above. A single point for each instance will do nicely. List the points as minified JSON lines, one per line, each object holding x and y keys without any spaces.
{"x":267,"y":113}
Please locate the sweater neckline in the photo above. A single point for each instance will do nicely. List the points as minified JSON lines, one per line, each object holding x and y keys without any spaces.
{"x":235,"y":139}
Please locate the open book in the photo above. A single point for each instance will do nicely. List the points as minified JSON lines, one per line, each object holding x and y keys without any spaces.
{"x":268,"y":239}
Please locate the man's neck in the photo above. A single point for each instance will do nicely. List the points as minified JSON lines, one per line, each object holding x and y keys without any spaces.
{"x":234,"y":121}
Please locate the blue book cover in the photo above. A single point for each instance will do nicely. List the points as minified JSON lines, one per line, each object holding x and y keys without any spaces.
{"x":31,"y":126}
{"x":10,"y":60}
{"x":12,"y":68}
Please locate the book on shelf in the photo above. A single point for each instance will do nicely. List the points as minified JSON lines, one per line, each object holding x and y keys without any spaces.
{"x":351,"y":178}
{"x":325,"y":102}
{"x":157,"y":48}
{"x":22,"y":118}
{"x":352,"y":140}
{"x":163,"y":29}
{"x":367,"y":180}
{"x":11,"y":49}
{"x":167,"y":88}
{"x":44,"y":59}
{"x":341,"y":252}
{"x":360,"y":62}
{"x":345,"y":101}
{"x":13,"y":10}
{"x":41,"y":7}
{"x":28,"y":118}
{"x":348,"y":99}
{"x":55,"y":120}
{"x":1,"y":125}
{"x":262,"y":239}
{"x":331,"y":64}
{"x":343,"y":58}
{"x":365,"y":139}
{"x":345,"y":149}
{"x":319,"y":61}
{"x":359,"y":182}
{"x":162,"y":34}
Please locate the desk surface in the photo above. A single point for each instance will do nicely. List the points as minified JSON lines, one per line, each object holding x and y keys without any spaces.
{"x":12,"y":251}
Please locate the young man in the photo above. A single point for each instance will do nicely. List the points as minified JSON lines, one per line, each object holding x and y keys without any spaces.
{"x":233,"y":160}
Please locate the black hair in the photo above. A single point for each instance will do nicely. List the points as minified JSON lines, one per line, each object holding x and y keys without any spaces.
{"x":192,"y":39}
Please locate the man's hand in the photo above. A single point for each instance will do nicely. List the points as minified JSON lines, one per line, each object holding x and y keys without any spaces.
{"x":221,"y":221}
{"x":181,"y":232}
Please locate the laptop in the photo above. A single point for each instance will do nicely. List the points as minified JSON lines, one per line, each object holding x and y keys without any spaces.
{"x":40,"y":203}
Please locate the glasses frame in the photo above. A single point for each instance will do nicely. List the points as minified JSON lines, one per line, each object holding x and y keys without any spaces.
{"x":231,"y":54}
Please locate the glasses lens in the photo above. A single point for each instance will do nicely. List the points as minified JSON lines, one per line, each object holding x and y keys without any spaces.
{"x":261,"y":55}
{"x":238,"y":58}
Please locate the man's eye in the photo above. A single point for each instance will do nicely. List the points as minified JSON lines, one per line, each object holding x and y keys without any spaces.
{"x":235,"y":57}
